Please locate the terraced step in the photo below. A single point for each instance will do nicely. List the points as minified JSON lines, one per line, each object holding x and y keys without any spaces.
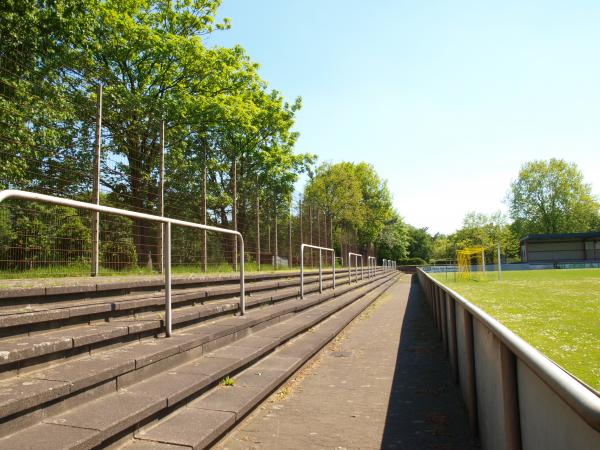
{"x":203,"y":420}
{"x":143,"y":395}
{"x":41,"y":310}
{"x":14,"y":351}
{"x":41,"y":389}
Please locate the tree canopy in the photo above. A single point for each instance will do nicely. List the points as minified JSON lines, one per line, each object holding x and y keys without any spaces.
{"x":357,"y":203}
{"x":552,"y":197}
{"x":151,"y":59}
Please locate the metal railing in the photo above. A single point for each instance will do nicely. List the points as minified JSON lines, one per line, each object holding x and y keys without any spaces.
{"x":516,"y":397}
{"x":388,"y":265}
{"x":371,"y":266}
{"x":362,"y":266}
{"x":10,"y":194}
{"x":321,"y":250}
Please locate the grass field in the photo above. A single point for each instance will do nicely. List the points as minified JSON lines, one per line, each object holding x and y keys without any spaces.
{"x":556,"y":311}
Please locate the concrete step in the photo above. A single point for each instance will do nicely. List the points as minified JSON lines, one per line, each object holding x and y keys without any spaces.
{"x":15,"y":350}
{"x":58,"y":289}
{"x":141,"y":397}
{"x":129,"y":362}
{"x":203,"y":420}
{"x":26,"y":316}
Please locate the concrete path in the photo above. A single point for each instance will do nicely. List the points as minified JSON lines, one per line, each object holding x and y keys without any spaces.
{"x":383,"y":383}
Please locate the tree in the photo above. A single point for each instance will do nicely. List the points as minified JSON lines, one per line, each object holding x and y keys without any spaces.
{"x":552,"y":197}
{"x":487,"y":231}
{"x":357,"y":205}
{"x":42,"y":124}
{"x":377,"y":202}
{"x":336,"y":191}
{"x":393,"y":240}
{"x":420,"y":243}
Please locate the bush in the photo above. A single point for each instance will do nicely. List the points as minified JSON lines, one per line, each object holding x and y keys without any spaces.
{"x":117,"y":249}
{"x":411,"y":262}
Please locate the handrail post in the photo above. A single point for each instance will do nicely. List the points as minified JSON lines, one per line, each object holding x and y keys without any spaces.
{"x":320,"y":271}
{"x":242,"y":276}
{"x":302,"y":271}
{"x":333,"y":269}
{"x":167,"y":273}
{"x":362,"y":268}
{"x":349,"y":269}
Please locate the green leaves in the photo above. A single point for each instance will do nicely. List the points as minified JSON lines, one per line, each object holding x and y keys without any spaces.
{"x":552,"y":197}
{"x":354,"y":197}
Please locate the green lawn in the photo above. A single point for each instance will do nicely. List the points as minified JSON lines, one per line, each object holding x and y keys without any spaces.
{"x":556,"y":311}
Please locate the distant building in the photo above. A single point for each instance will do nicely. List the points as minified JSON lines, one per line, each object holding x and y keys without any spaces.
{"x":561,"y":247}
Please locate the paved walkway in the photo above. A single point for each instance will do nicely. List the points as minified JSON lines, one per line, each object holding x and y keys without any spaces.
{"x":384,"y":383}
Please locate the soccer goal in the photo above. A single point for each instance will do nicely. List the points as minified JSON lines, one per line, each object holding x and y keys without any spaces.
{"x":471,"y":263}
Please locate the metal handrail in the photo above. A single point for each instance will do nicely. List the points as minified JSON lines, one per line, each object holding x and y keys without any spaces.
{"x":371,"y":265}
{"x":362,"y":266}
{"x":31,"y":196}
{"x":321,"y":250}
{"x":580,"y":398}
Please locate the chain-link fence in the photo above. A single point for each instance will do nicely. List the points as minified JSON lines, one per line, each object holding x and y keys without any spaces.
{"x":70,"y":137}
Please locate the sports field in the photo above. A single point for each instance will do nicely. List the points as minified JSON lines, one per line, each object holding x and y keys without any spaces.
{"x":556,"y":311}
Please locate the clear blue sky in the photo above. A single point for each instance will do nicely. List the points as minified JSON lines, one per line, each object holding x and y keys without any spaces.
{"x":447,"y":99}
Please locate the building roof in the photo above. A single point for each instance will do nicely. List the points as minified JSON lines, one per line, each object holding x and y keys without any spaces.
{"x":561,"y":236}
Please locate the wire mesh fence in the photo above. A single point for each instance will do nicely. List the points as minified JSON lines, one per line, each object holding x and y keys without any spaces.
{"x":71,"y":137}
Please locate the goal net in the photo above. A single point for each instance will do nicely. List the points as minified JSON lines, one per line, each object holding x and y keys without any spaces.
{"x":471,"y":263}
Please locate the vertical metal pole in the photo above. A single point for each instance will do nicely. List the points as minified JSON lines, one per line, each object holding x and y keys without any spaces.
{"x":483,"y":261}
{"x":276,"y":249}
{"x":242,"y":278}
{"x":320,"y":271}
{"x":96,"y":186}
{"x":319,"y":227}
{"x":333,"y":267}
{"x":331,"y":235}
{"x":362,"y":268}
{"x":290,"y":264}
{"x":349,"y":268}
{"x":167,"y":274}
{"x":258,"y":225}
{"x":301,"y":231}
{"x":161,"y":195}
{"x":302,"y":271}
{"x":235,"y":246}
{"x":204,"y":195}
{"x":499,"y":264}
{"x":310,"y":222}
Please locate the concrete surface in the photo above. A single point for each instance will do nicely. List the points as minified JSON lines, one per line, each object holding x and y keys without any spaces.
{"x":383,"y":383}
